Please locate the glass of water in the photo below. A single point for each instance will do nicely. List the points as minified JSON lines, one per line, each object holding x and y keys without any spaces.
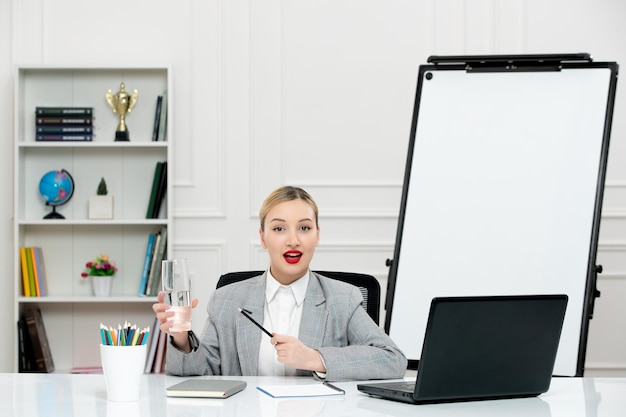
{"x":177,"y":286}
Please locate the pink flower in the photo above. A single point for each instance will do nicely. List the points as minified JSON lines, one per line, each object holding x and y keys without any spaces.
{"x":101,"y":266}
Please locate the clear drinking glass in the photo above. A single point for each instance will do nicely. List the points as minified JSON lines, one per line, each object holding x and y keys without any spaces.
{"x":177,"y":287}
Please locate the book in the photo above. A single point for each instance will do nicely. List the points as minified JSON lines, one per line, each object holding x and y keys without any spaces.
{"x":62,"y":137}
{"x":31,"y":253}
{"x":160,"y":195}
{"x":159,"y":356}
{"x":39,"y":340}
{"x":162,"y":135}
{"x":146,"y":264}
{"x":155,"y":187}
{"x":152,"y":346}
{"x":66,"y":130}
{"x":157,"y":118}
{"x":64,"y":111}
{"x":151,"y":273}
{"x":205,"y":388}
{"x":159,"y":254}
{"x":64,"y":121}
{"x":31,"y":273}
{"x":41,"y":271}
{"x":25,"y":276}
{"x":26,"y":358}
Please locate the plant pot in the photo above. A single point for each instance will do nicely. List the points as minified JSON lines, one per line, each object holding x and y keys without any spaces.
{"x":101,"y":207}
{"x":101,"y":285}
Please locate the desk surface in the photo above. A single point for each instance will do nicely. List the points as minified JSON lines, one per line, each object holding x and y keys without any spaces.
{"x":26,"y":395}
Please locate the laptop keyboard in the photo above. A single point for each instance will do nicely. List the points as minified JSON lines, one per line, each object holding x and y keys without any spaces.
{"x":407,"y":386}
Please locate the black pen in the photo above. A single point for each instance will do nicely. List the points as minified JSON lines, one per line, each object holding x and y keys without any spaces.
{"x":247,"y":314}
{"x":329,"y":385}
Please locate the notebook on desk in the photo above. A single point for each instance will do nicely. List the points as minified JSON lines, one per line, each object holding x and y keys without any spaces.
{"x":483,"y":347}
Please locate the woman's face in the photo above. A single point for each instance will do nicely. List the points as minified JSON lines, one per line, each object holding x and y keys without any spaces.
{"x":290,"y":237}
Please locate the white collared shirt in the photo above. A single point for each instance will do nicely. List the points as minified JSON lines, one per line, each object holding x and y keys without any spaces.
{"x":282,"y":314}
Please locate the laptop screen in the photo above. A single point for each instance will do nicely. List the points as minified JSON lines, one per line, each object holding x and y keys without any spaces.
{"x":490,"y":346}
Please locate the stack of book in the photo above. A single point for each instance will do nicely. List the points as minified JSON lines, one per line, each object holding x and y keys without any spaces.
{"x":150,"y":283}
{"x":34,"y":282}
{"x":63,"y":124}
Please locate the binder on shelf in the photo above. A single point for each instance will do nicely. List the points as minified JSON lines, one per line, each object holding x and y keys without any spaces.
{"x":155,"y":187}
{"x":160,"y":195}
{"x":162,"y":136}
{"x":146,"y":264}
{"x":39,"y":340}
{"x":157,"y":118}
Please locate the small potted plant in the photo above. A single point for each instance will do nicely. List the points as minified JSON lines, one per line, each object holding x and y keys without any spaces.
{"x":101,"y":205}
{"x":101,"y":270}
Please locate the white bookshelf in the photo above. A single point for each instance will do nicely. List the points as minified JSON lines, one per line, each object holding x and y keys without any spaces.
{"x":71,"y":314}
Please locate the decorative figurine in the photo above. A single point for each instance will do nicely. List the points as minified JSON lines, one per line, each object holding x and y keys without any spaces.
{"x":122,"y":103}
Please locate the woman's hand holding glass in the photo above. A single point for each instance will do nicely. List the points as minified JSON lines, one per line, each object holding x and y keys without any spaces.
{"x":165,"y":316}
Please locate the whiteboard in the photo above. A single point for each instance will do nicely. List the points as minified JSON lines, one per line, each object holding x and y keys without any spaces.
{"x":502,"y":194}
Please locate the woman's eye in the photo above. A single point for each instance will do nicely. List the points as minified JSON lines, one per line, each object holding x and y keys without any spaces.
{"x":278,"y":229}
{"x":305,"y":228}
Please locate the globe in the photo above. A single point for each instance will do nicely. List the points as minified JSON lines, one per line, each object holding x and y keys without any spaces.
{"x":57,"y":188}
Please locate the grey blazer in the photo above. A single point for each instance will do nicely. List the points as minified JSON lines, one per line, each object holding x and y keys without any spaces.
{"x":333,"y":322}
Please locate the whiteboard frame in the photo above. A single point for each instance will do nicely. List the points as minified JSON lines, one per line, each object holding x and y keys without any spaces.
{"x":445,"y":109}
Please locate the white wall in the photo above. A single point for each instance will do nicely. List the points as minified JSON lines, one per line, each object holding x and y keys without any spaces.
{"x":311,"y":93}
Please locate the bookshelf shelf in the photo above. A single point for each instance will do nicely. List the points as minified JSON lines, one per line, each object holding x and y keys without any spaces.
{"x":120,"y":145}
{"x":113,"y":222}
{"x":71,"y":299}
{"x":71,"y":314}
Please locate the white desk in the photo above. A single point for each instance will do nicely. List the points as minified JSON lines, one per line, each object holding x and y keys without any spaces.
{"x":56,"y":395}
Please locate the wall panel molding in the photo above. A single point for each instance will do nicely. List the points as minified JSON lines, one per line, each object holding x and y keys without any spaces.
{"x":200,"y":214}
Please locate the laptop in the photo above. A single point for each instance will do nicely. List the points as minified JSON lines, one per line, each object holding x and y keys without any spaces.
{"x":483,"y":347}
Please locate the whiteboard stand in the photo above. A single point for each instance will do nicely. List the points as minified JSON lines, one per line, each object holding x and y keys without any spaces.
{"x":503,"y":189}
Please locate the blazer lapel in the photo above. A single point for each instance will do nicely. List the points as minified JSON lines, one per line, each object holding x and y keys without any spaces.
{"x":248,"y":335}
{"x":314,"y":314}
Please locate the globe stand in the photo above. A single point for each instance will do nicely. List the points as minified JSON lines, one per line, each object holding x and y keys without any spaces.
{"x":53,"y":214}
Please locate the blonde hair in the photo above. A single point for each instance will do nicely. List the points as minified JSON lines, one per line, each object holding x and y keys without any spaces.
{"x":281,"y":195}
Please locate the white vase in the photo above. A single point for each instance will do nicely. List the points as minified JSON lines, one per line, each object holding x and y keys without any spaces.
{"x":101,"y":207}
{"x":101,"y":285}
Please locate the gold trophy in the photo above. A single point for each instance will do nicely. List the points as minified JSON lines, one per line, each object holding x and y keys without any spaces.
{"x":122,"y":103}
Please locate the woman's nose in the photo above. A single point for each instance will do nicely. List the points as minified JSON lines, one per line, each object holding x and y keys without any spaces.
{"x":293,"y":239}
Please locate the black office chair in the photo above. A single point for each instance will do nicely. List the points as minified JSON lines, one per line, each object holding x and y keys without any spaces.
{"x":369,"y":286}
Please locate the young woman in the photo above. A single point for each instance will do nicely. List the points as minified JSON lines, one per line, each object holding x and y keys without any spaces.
{"x":318,"y":325}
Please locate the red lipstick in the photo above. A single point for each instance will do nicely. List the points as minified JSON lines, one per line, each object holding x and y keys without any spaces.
{"x":292,"y":256}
